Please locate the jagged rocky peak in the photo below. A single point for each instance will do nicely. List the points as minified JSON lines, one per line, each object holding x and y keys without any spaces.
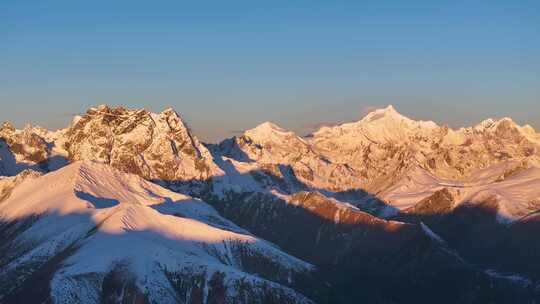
{"x":7,"y":130}
{"x":7,"y":126}
{"x":490,"y":125}
{"x":502,"y":137}
{"x":179,"y":130}
{"x":155,"y":146}
{"x":508,"y":129}
{"x":33,"y":147}
{"x":501,"y":127}
{"x":25,"y":144}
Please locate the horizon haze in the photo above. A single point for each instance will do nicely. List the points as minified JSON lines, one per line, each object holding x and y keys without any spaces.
{"x":226,"y":67}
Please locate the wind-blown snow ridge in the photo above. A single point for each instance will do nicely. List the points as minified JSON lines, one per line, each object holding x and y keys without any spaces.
{"x":112,"y":217}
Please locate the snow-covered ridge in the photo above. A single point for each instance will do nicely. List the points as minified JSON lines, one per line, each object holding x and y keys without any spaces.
{"x":373,"y":154}
{"x":513,"y":186}
{"x":384,"y":124}
{"x":112,"y":217}
{"x":388,"y":116}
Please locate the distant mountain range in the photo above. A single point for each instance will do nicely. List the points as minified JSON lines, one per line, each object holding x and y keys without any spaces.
{"x":128,"y":206}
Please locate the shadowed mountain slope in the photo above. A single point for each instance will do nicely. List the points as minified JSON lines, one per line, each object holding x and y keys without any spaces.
{"x":94,"y":234}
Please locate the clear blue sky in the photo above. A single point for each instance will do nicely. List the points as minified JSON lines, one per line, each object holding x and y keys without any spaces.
{"x":228,"y":65}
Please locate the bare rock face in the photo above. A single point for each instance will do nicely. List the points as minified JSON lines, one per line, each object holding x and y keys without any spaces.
{"x":25,"y":143}
{"x":30,"y":148}
{"x":439,"y":203}
{"x":154,"y":146}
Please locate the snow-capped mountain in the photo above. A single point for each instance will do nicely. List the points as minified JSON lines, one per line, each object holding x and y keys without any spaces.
{"x":385,"y":144}
{"x":100,"y":235}
{"x":282,"y":152}
{"x":154,"y":146}
{"x":405,"y":205}
{"x":385,"y":156}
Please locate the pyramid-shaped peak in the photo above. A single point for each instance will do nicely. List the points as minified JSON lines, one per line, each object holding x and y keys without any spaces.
{"x":171,"y":114}
{"x":389,"y":109}
{"x":268,"y":125}
{"x":170,"y":111}
{"x":266,"y":130}
{"x":387,"y":112}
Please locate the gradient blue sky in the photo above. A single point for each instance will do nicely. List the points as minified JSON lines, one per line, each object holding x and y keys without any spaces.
{"x":228,"y":65}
